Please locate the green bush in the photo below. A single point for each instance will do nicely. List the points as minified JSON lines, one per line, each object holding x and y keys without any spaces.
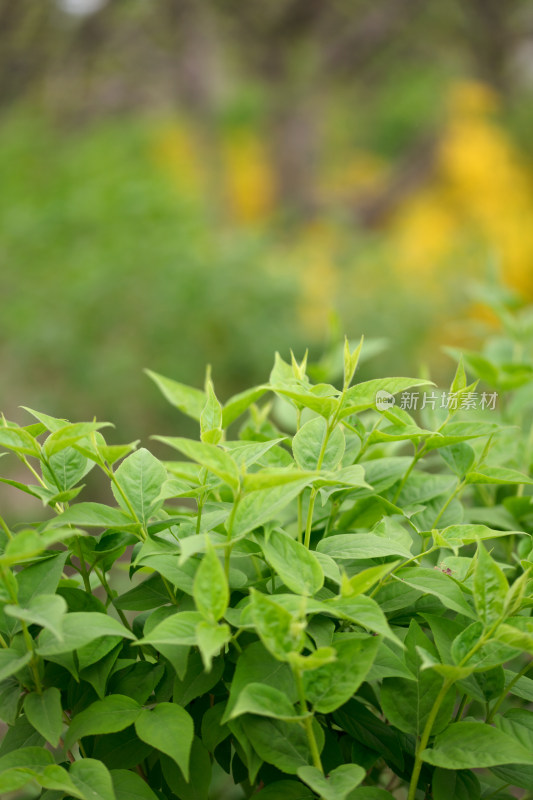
{"x":307,"y":606}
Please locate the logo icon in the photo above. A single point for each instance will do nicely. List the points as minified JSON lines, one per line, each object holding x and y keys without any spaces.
{"x":384,"y":400}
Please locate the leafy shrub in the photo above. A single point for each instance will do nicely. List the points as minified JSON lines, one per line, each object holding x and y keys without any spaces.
{"x":317,"y":612}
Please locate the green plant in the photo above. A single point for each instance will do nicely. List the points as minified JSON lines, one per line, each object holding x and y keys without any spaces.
{"x":318,"y":611}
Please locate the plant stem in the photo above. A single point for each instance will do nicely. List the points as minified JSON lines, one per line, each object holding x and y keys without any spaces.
{"x":417,"y":456}
{"x":200,"y":501}
{"x":103,"y":580}
{"x":229,"y":530}
{"x":34,"y":659}
{"x":5,"y":528}
{"x":27,"y":638}
{"x":300,"y":518}
{"x":314,"y":492}
{"x":460,"y":486}
{"x":83,"y":566}
{"x":32,"y":470}
{"x":435,"y":710}
{"x":507,"y":689}
{"x":390,"y":575}
{"x":425,"y":738}
{"x":111,"y":475}
{"x":309,"y":524}
{"x":461,"y":708}
{"x":308,"y":721}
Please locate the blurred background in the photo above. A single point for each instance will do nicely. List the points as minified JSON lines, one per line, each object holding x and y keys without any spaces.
{"x":193,"y":181}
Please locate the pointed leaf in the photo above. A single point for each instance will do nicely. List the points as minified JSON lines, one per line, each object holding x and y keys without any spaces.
{"x":190,"y":401}
{"x":140,"y":476}
{"x":339,"y":783}
{"x":210,"y":591}
{"x":92,"y":779}
{"x":490,"y":588}
{"x":170,"y":729}
{"x":45,"y":713}
{"x":298,"y":567}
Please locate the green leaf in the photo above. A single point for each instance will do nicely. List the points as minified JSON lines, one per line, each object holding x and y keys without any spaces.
{"x":92,"y":779}
{"x":351,"y":359}
{"x":247,"y":453}
{"x":197,"y":788}
{"x":64,"y":469}
{"x":461,"y":785}
{"x":209,"y":456}
{"x":297,"y":566}
{"x":130,"y":786}
{"x":471,"y":745}
{"x":490,"y":588}
{"x":408,"y":703}
{"x":211,"y":418}
{"x":110,"y":715}
{"x":455,"y":432}
{"x":324,"y":404}
{"x":280,"y":632}
{"x":179,"y":628}
{"x":265,"y":701}
{"x":500,"y":475}
{"x":20,"y":766}
{"x":213,"y":731}
{"x":211,"y":592}
{"x":210,"y":638}
{"x":122,"y":750}
{"x":333,"y":684}
{"x":50,"y":423}
{"x":137,"y":681}
{"x":140,"y":476}
{"x":459,"y":381}
{"x":339,"y":783}
{"x":360,"y":546}
{"x":366,"y":728}
{"x":459,"y":457}
{"x":114,"y":452}
{"x":432,"y":581}
{"x":26,"y":758}
{"x":151,"y":593}
{"x":170,"y":729}
{"x":454,"y":536}
{"x":517,"y":632}
{"x":45,"y":713}
{"x":257,"y":665}
{"x":370,"y":793}
{"x":264,"y":505}
{"x":363,"y":395}
{"x":57,"y":779}
{"x":23,"y":546}
{"x":276,"y":476}
{"x":11,"y":661}
{"x":314,"y":447}
{"x":19,"y":440}
{"x":92,"y":515}
{"x":491,"y":654}
{"x":80,"y":628}
{"x":188,"y":400}
{"x":283,"y":744}
{"x":364,"y":580}
{"x":288,"y":790}
{"x":47,"y":610}
{"x":238,"y":404}
{"x":196,"y":681}
{"x":40,"y":578}
{"x":70,"y":434}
